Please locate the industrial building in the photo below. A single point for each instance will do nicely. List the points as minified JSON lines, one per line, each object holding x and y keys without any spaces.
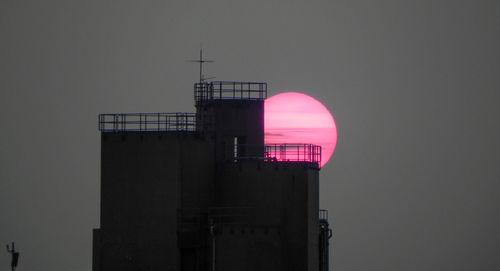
{"x":201,"y":191}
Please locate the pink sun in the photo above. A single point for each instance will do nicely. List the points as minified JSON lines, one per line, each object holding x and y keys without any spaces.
{"x":293,"y":117}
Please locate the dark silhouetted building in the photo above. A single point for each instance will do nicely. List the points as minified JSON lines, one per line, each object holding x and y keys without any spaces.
{"x":201,"y":191}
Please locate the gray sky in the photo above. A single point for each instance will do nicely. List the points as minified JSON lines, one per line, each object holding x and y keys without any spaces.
{"x":413,"y":85}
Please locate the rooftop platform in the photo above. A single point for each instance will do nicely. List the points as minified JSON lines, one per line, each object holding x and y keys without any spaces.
{"x":228,"y":90}
{"x":293,"y":153}
{"x":284,"y":153}
{"x":147,"y":122}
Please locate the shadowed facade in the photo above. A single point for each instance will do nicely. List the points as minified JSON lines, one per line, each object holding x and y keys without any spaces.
{"x":201,"y":191}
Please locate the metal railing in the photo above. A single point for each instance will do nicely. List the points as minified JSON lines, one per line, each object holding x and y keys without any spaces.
{"x":277,"y":152}
{"x":227,"y":90}
{"x":323,"y":214}
{"x":147,"y":122}
{"x":293,"y":153}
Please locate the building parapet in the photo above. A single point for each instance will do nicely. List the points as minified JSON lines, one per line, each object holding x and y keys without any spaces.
{"x":147,"y":122}
{"x":228,"y":90}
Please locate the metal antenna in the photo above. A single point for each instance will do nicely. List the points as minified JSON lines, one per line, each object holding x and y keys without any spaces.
{"x":201,"y":61}
{"x":15,"y":256}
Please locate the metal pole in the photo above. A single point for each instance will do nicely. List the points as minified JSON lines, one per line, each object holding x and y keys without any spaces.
{"x":212,"y":233}
{"x":201,"y":65}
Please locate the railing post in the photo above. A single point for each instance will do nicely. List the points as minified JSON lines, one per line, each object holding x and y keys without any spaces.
{"x":115,"y":122}
{"x":297,"y":152}
{"x":140,"y":122}
{"x":124,"y":122}
{"x":320,"y":151}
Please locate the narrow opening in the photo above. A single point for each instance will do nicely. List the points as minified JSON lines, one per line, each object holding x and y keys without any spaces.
{"x":235,"y":148}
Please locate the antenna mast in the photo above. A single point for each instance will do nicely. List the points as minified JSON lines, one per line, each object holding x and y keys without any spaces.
{"x":201,"y":61}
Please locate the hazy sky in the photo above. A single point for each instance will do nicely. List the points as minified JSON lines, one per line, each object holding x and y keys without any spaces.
{"x":414,"y":86}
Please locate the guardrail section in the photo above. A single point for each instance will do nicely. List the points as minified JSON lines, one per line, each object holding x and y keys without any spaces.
{"x":226,"y":90}
{"x":147,"y":122}
{"x":293,"y":153}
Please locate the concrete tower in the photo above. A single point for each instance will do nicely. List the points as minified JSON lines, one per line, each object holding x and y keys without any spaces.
{"x":182,"y":191}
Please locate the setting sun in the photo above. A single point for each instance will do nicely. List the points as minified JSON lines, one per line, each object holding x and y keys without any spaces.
{"x":293,"y":117}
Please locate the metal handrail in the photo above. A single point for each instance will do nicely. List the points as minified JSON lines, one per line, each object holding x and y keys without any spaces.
{"x":296,"y":152}
{"x":293,"y":152}
{"x":228,"y":90}
{"x":147,"y":122}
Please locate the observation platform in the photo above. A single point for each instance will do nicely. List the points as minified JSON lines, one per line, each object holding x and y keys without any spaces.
{"x":229,"y":90}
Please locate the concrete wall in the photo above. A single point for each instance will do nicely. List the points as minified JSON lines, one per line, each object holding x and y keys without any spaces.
{"x":313,"y":219}
{"x":271,"y":220}
{"x":145,"y":179}
{"x":234,"y":118}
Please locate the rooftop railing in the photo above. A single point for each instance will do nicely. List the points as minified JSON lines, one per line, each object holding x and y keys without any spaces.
{"x":293,"y":153}
{"x":147,"y":122}
{"x":227,"y":90}
{"x":278,"y":152}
